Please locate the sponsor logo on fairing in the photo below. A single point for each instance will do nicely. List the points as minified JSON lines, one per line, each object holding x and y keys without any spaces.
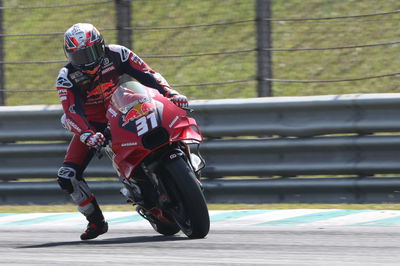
{"x":129,"y":144}
{"x":139,"y":110}
{"x":112,"y":112}
{"x":173,"y":122}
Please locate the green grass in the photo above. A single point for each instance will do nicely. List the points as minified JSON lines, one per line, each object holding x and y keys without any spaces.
{"x":72,"y":208}
{"x":299,"y":65}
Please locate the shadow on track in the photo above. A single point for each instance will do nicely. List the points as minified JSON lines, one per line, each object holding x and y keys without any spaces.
{"x":111,"y":241}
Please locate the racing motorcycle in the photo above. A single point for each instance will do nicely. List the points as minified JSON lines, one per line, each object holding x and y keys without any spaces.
{"x":154,"y":147}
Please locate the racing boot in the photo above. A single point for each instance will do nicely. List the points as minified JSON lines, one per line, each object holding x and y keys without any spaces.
{"x":93,"y":230}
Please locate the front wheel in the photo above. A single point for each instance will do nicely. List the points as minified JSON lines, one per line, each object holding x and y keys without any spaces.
{"x":165,"y":227}
{"x":189,"y":206}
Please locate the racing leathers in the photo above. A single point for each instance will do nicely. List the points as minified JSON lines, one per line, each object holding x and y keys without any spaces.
{"x":85,"y":98}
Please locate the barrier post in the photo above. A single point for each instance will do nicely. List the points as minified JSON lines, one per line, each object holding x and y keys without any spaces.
{"x":123,"y":20}
{"x":264,"y":43}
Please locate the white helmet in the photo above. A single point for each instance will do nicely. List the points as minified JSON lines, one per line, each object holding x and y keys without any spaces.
{"x":84,"y":46}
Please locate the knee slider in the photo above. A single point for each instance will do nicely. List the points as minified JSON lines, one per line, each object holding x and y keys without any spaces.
{"x":65,"y":174}
{"x":82,"y":196}
{"x":78,"y":189}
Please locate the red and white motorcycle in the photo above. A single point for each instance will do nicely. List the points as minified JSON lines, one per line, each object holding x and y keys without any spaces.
{"x":150,"y":146}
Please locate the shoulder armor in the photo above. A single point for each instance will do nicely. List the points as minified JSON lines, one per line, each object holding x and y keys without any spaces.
{"x":62,"y":79}
{"x":122,"y":50}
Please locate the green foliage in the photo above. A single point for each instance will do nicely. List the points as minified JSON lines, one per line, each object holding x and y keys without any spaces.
{"x":296,"y":65}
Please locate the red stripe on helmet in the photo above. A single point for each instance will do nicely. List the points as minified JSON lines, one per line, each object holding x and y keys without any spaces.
{"x":88,"y":42}
{"x":75,"y":41}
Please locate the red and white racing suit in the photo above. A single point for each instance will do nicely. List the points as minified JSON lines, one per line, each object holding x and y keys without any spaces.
{"x":85,"y":99}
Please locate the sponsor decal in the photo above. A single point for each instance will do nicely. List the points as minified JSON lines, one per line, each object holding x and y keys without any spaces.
{"x":112,"y":112}
{"x":175,"y":136}
{"x":139,"y":110}
{"x":77,"y":80}
{"x":69,"y":124}
{"x":72,"y":109}
{"x":62,"y":92}
{"x":173,"y":122}
{"x":128,"y":144}
{"x":108,"y":69}
{"x":136,"y":59}
{"x":106,"y":62}
{"x":63,"y":82}
{"x":101,"y":92}
{"x":124,"y":53}
{"x":76,"y":74}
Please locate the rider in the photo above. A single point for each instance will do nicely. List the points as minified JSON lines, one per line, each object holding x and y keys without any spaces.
{"x":85,"y":85}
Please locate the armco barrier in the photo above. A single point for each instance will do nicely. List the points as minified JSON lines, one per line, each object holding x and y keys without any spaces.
{"x":289,"y":190}
{"x":281,"y":116}
{"x":280,"y":136}
{"x":351,"y":155}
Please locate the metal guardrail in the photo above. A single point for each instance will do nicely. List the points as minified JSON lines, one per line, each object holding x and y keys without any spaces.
{"x":289,"y":190}
{"x":300,"y":116}
{"x":281,"y":116}
{"x":351,"y":155}
{"x":282,"y":136}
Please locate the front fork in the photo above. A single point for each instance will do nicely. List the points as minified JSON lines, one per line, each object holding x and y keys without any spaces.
{"x":162,"y":195}
{"x":153,"y":171}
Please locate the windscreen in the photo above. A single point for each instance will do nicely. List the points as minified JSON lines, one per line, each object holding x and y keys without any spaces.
{"x":129,"y":95}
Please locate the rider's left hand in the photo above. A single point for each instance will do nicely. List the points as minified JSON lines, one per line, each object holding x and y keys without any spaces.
{"x":180,"y":100}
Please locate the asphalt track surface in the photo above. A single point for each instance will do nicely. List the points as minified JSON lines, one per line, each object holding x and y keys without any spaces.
{"x":235,"y":238}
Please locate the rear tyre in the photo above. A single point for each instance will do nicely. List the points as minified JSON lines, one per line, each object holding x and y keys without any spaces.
{"x":189,"y":206}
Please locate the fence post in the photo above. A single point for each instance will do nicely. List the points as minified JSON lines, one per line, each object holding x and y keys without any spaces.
{"x":123,"y":20}
{"x":2,"y":82}
{"x":264,"y":43}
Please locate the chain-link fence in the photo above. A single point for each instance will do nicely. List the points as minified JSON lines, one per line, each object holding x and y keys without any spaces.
{"x":211,"y":48}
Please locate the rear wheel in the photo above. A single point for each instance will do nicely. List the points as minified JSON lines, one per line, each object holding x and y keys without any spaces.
{"x":189,"y":206}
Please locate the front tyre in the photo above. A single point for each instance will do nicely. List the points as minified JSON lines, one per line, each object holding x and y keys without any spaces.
{"x":190,"y":209}
{"x":163,"y":227}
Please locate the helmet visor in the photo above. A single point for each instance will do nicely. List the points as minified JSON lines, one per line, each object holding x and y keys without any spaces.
{"x":87,"y":57}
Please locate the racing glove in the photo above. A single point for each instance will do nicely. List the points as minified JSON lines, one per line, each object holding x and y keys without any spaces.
{"x":92,"y":139}
{"x":179,"y":100}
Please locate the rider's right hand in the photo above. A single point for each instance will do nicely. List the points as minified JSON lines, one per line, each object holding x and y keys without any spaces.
{"x":92,"y":139}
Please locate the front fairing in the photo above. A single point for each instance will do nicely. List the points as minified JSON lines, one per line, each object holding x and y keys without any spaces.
{"x":139,"y":115}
